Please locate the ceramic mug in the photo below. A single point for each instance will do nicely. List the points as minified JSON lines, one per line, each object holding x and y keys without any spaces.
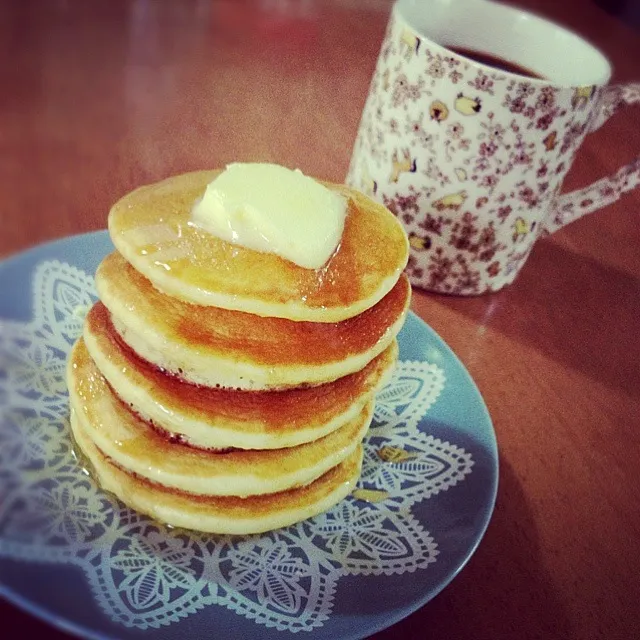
{"x":471,"y":157}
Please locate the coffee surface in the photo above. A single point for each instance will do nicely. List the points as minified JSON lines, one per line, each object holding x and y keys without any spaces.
{"x":492,"y":60}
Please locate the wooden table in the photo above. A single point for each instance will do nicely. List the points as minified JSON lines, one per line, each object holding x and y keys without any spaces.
{"x":98,"y":97}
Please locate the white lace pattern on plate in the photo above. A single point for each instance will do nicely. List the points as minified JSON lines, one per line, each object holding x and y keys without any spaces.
{"x":145,"y":575}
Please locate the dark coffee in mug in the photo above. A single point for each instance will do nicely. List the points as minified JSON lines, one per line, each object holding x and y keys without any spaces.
{"x":496,"y":62}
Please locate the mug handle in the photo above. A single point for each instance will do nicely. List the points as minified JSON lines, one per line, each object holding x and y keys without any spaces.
{"x":571,"y":206}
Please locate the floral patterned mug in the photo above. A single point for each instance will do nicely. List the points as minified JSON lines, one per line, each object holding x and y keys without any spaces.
{"x":471,"y":157}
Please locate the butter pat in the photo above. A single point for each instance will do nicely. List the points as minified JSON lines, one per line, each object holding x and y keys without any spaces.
{"x":273,"y":209}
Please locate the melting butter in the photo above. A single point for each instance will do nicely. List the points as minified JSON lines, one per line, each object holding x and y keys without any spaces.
{"x":273,"y":209}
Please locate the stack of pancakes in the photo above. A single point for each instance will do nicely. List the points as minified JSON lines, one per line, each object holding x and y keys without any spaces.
{"x":226,"y":390}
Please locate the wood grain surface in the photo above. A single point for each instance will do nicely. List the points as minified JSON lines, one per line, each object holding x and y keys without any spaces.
{"x":101,"y":96}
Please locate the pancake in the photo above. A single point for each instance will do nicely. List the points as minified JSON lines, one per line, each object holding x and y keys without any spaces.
{"x":217,"y":347}
{"x":151,"y":228}
{"x":221,"y":514}
{"x":221,"y":418}
{"x":135,"y":446}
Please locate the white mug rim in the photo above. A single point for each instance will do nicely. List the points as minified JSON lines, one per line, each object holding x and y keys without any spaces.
{"x":399,"y":5}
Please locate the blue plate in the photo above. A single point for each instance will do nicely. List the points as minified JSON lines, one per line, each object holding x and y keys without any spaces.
{"x":78,"y":558}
